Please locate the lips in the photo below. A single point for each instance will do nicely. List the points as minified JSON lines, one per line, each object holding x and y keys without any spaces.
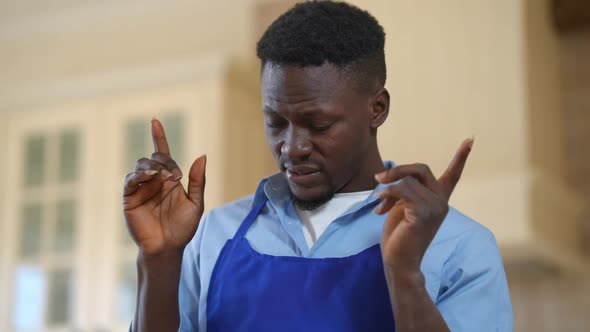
{"x":302,"y":174}
{"x":301,"y":169}
{"x":292,"y":174}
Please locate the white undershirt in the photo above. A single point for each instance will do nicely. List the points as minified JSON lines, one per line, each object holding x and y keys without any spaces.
{"x":316,"y":221}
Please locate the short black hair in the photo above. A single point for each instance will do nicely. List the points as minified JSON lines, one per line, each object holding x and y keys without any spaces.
{"x":313,"y":33}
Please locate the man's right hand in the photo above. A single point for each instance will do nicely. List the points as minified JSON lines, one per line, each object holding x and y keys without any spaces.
{"x":161,"y":216}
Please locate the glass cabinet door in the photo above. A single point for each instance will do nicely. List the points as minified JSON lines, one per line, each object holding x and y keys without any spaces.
{"x":44,"y":269}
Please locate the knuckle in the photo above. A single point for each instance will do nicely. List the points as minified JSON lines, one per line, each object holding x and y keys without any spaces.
{"x":159,"y":156}
{"x":141,"y":164}
{"x":164,"y":160}
{"x":404,"y":185}
{"x":155,"y":165}
{"x":129,"y":177}
{"x":410,"y":181}
{"x":390,"y":192}
{"x":388,"y":174}
{"x":383,"y":194}
{"x":422,"y":168}
{"x":171,"y":163}
{"x":435,"y":212}
{"x":439,"y":210}
{"x":393,"y":170}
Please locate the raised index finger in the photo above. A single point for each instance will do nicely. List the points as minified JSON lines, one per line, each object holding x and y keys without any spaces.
{"x":159,"y":137}
{"x":451,"y":176}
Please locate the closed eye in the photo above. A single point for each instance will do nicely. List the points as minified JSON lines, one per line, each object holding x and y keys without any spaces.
{"x":276,"y":123}
{"x":322,"y":127}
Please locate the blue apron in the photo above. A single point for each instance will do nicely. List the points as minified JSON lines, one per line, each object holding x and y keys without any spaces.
{"x":255,"y":292}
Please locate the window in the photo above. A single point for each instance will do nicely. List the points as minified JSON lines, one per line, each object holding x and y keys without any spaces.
{"x":71,"y":264}
{"x":45,"y":273}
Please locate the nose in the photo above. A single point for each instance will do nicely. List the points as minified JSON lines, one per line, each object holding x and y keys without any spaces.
{"x":297,"y":144}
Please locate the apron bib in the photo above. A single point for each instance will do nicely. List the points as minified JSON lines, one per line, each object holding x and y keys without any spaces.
{"x":254,"y":292}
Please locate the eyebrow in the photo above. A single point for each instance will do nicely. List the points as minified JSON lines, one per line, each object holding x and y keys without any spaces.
{"x":305,"y":113}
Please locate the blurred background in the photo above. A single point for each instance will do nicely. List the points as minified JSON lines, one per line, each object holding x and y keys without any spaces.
{"x":80,"y":80}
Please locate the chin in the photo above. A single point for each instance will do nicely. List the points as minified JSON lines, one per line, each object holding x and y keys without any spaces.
{"x":310,"y":198}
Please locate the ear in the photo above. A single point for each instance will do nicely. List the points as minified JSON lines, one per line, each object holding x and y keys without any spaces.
{"x":379,"y":108}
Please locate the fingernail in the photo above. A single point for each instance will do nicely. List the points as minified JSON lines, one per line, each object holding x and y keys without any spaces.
{"x":380,"y":176}
{"x":381,"y":194}
{"x":167,"y":174}
{"x":178,"y":178}
{"x":471,"y":140}
{"x":151,"y":172}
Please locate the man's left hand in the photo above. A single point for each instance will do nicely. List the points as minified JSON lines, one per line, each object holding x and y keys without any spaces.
{"x":417,"y":204}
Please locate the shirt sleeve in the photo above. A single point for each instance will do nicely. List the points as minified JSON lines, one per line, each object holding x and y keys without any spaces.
{"x":473,"y":293}
{"x":189,"y":288}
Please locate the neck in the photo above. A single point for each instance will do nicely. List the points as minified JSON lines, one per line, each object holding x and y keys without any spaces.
{"x":365,"y":177}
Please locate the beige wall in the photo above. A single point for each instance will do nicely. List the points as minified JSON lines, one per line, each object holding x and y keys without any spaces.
{"x":454,"y":72}
{"x":489,"y":69}
{"x":4,"y":272}
{"x":544,"y":99}
{"x":102,"y":37}
{"x":549,"y":304}
{"x":246,"y":153}
{"x":450,"y":69}
{"x":575,"y":52}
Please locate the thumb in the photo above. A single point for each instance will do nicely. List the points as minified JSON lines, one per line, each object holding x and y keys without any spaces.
{"x":196,"y":181}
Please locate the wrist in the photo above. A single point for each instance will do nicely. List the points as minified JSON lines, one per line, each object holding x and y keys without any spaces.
{"x":157,"y":294}
{"x":405,"y":277}
{"x":160,"y":264}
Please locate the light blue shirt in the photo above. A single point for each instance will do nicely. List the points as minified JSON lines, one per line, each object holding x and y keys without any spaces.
{"x":463,"y":268}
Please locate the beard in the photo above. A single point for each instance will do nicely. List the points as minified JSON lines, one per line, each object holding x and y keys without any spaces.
{"x":310,"y":205}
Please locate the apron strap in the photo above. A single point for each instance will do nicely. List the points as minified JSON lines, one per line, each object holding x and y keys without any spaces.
{"x":249,"y":220}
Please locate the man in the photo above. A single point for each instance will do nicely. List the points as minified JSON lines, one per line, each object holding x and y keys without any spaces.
{"x":338,"y":240}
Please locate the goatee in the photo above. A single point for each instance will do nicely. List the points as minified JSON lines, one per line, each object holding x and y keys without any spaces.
{"x":310,"y":205}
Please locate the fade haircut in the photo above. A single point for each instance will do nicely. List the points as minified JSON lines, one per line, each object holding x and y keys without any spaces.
{"x":317,"y":32}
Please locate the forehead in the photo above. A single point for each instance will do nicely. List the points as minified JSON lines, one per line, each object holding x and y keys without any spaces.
{"x":285,"y":84}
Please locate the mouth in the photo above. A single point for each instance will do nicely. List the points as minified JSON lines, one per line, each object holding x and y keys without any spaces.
{"x":294,"y":174}
{"x":302,"y":175}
